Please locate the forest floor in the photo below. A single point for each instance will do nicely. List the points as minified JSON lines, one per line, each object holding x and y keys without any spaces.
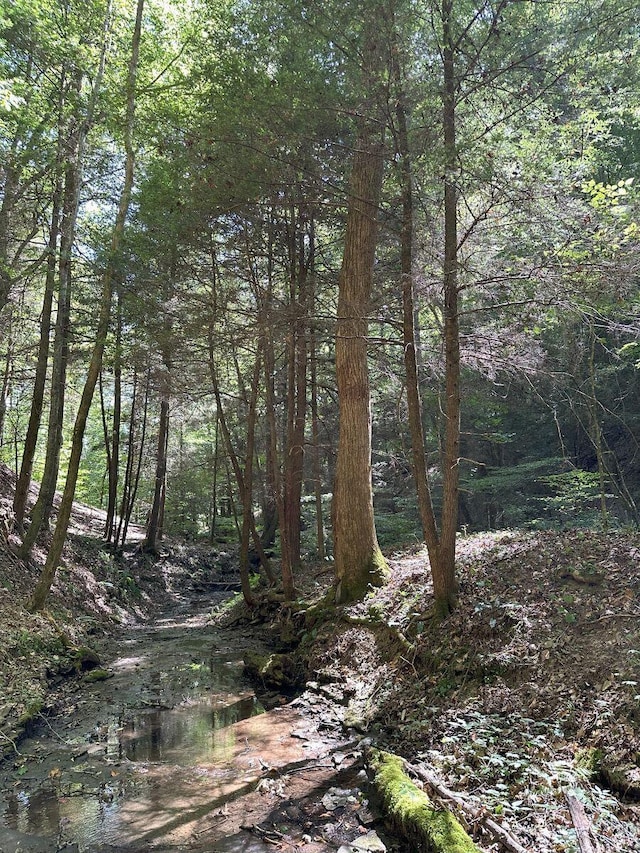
{"x":528,"y":694}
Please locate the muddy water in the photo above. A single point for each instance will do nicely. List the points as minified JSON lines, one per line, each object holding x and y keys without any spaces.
{"x":173,"y":752}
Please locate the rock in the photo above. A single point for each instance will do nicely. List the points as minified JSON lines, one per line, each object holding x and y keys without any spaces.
{"x":336,"y":798}
{"x":369,"y":843}
{"x":85,"y":659}
{"x":97,"y":675}
{"x":624,"y":779}
{"x":281,"y":671}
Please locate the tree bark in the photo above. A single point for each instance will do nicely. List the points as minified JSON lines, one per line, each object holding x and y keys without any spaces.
{"x":248,"y":521}
{"x":315,"y":428}
{"x":37,"y":399}
{"x":239,"y":476}
{"x":296,"y":393}
{"x":113,"y":470}
{"x":444,"y":581}
{"x":73,"y":155}
{"x":44,"y":503}
{"x":154,"y":523}
{"x":358,"y":560}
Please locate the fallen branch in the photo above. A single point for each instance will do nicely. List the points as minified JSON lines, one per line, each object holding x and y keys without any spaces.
{"x":580,"y":823}
{"x":11,"y":741}
{"x":498,"y":833}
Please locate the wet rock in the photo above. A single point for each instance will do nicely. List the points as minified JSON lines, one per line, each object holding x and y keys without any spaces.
{"x":85,"y":659}
{"x":281,"y":671}
{"x":97,"y":674}
{"x":369,"y":843}
{"x":336,"y":798}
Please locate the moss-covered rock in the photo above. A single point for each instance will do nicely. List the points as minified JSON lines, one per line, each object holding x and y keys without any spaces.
{"x":412,"y":812}
{"x":97,"y":674}
{"x":275,"y":672}
{"x":84,"y":659}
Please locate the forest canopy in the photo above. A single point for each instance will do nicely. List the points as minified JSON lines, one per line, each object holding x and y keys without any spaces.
{"x":256,"y":258}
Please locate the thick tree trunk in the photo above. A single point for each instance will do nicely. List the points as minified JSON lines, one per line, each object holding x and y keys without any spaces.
{"x":60,"y":534}
{"x":358,"y":560}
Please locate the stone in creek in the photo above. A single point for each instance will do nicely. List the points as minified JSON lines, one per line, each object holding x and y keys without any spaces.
{"x":369,"y":843}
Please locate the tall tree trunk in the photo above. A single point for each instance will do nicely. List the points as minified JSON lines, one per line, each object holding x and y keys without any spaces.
{"x":315,"y":427}
{"x":131,"y":491}
{"x":233,"y":458}
{"x":113,"y":470}
{"x":44,"y":503}
{"x":444,"y":580}
{"x":60,"y":534}
{"x":6,"y":377}
{"x":153,"y":525}
{"x":214,"y":485}
{"x":73,"y":155}
{"x":358,"y":560}
{"x":128,"y":468}
{"x":414,"y":403}
{"x":269,"y":370}
{"x":296,"y":393}
{"x":37,"y":399}
{"x":248,"y":520}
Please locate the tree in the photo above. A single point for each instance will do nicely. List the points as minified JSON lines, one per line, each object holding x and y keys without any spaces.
{"x":47,"y":575}
{"x":358,"y":559}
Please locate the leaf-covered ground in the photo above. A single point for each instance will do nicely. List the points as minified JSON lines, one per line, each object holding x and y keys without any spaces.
{"x":530,"y":691}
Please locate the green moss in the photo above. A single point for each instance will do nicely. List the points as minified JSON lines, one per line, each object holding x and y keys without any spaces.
{"x":413,"y":813}
{"x":31,"y":711}
{"x":355,"y":585}
{"x":276,"y":671}
{"x":97,"y":675}
{"x":589,"y":759}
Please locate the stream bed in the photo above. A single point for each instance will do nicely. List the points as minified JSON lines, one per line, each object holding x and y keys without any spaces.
{"x":175,"y":752}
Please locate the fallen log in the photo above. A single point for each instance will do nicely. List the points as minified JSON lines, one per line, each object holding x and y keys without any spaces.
{"x":497,"y":832}
{"x":580,"y":823}
{"x":427,"y":825}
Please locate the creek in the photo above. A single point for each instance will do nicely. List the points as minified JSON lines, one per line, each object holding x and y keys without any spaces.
{"x":174,"y":751}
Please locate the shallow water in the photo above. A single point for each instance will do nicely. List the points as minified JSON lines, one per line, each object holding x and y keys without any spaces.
{"x":158,"y":750}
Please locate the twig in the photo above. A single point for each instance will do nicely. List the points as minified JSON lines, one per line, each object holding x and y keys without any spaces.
{"x":53,"y":731}
{"x":496,"y":831}
{"x":11,"y":741}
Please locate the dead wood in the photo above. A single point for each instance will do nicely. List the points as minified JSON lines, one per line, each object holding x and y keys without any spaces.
{"x":580,"y":823}
{"x":471,"y":814}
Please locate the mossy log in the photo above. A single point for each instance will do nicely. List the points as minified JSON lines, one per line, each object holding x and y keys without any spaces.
{"x":428,"y":827}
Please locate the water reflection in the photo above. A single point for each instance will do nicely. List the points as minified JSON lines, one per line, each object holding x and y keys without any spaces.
{"x":187,"y":735}
{"x":193,"y":735}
